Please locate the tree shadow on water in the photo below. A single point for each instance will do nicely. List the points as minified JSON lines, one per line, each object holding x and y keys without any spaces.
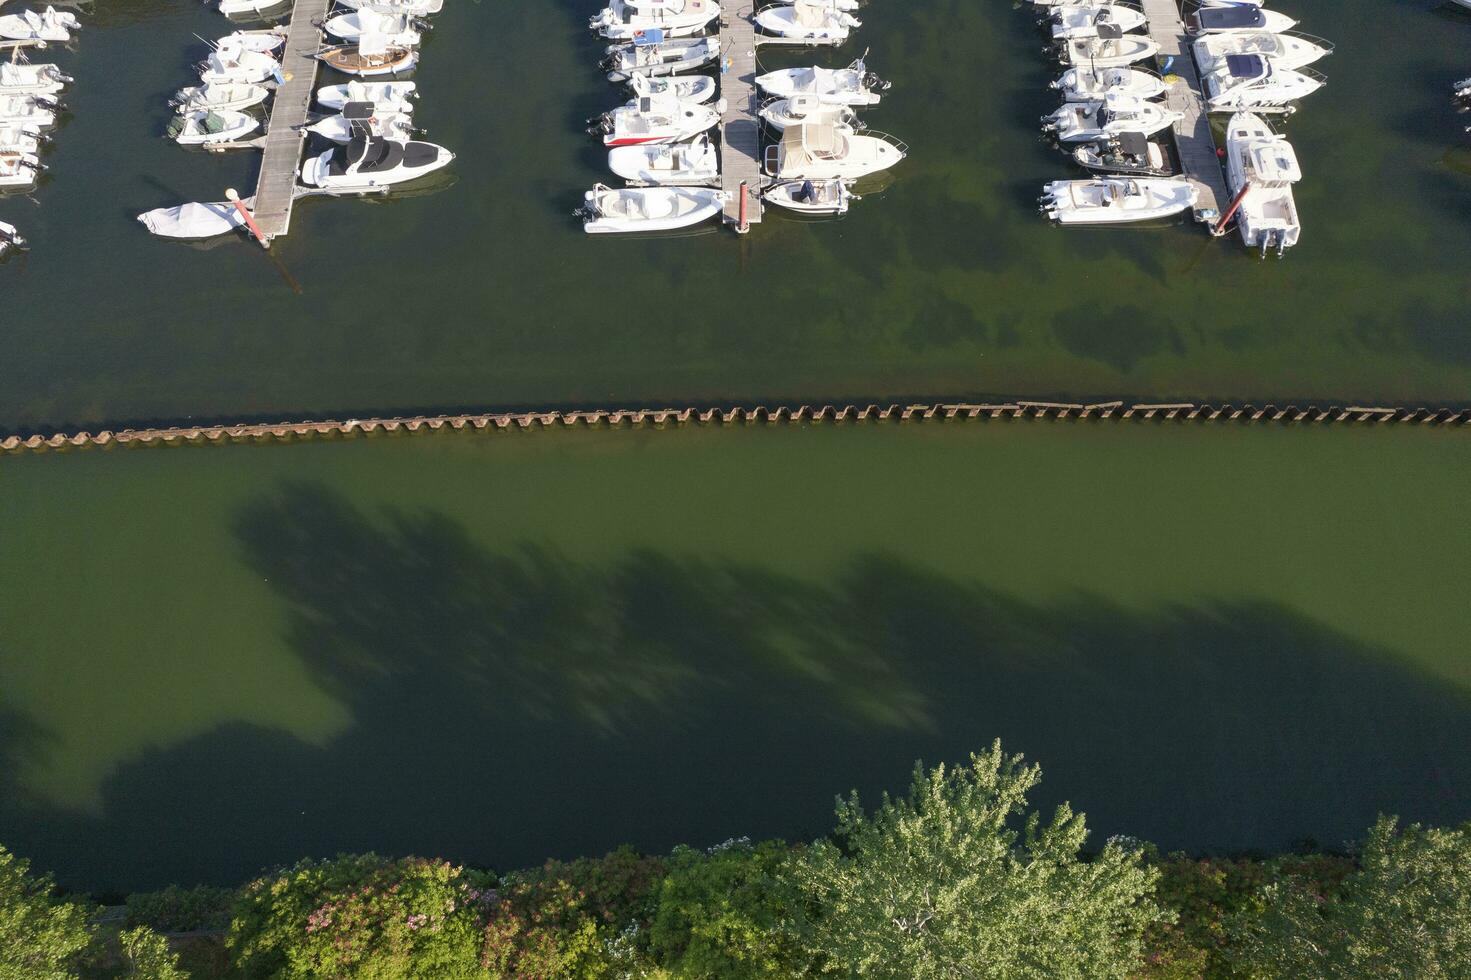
{"x":514,"y":704}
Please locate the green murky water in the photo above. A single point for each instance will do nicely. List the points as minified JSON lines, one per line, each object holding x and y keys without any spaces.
{"x":944,"y":284}
{"x":500,"y":647}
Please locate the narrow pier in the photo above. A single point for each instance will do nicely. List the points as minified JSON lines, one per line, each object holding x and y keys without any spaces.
{"x":740,"y":126}
{"x":1194,"y":143}
{"x":276,"y":190}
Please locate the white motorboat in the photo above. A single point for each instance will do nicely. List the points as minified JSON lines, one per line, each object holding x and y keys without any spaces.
{"x":193,"y":220}
{"x":690,"y":88}
{"x":19,"y":170}
{"x":371,"y":56}
{"x":363,"y":118}
{"x":1085,"y":21}
{"x":1285,"y":50}
{"x":48,"y":25}
{"x":1091,"y":84}
{"x":1116,"y":200}
{"x":1077,"y":122}
{"x":263,"y":41}
{"x":636,"y":209}
{"x":668,"y":164}
{"x":22,"y":79}
{"x":219,"y":96}
{"x":204,"y":126}
{"x":1246,"y":81}
{"x":815,"y":21}
{"x":664,"y":58}
{"x":1109,"y":52}
{"x":811,"y":196}
{"x":10,"y":239}
{"x":1267,"y":215}
{"x":650,"y":120}
{"x":1463,"y":88}
{"x":373,"y":164}
{"x":854,"y":85}
{"x":822,"y":151}
{"x":623,"y":20}
{"x":20,"y":139}
{"x":1238,"y":17}
{"x":397,"y":29}
{"x":238,"y":68}
{"x":800,"y":109}
{"x":33,"y":111}
{"x":1124,"y":153}
{"x":252,"y":8}
{"x":389,"y":96}
{"x":414,"y":8}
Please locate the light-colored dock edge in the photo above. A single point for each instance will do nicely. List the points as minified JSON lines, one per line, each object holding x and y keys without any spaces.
{"x":275,"y":192}
{"x":740,"y":127}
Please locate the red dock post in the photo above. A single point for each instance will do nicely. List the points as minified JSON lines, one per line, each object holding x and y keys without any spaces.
{"x":744,"y":225}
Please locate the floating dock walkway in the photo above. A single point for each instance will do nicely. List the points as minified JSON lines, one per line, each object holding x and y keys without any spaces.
{"x":1194,"y":144}
{"x":275,"y":192}
{"x":740,"y":126}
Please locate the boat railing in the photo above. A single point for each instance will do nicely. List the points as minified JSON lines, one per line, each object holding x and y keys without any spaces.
{"x":1321,"y":42}
{"x":890,"y":139}
{"x":1314,"y":74}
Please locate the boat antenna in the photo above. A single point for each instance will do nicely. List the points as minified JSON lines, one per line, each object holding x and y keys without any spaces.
{"x":212,"y":45}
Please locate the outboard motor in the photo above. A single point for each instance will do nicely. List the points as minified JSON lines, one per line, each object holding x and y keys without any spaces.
{"x":609,"y":62}
{"x":51,"y":105}
{"x":874,"y":83}
{"x":35,"y":166}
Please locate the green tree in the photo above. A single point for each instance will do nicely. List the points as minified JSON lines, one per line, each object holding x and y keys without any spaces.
{"x":939,"y":884}
{"x":1405,"y":913}
{"x":146,"y":956}
{"x":721,"y":914}
{"x":41,"y":937}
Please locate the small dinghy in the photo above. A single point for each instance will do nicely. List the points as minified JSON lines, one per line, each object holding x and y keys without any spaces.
{"x":668,"y":164}
{"x":1116,"y":200}
{"x":372,"y":55}
{"x":691,"y":88}
{"x":204,"y":126}
{"x":622,"y":20}
{"x":1124,"y":153}
{"x":799,"y":109}
{"x":252,"y":8}
{"x":1233,"y":17}
{"x":19,"y":170}
{"x":1084,"y":21}
{"x":1247,"y":81}
{"x":1267,"y":215}
{"x":826,"y":151}
{"x":388,"y":96}
{"x":414,"y":8}
{"x":360,"y":118}
{"x":239,"y":67}
{"x":18,"y":79}
{"x":1285,"y":50}
{"x":398,"y":29}
{"x":10,"y":240}
{"x":653,"y":121}
{"x":193,"y":220}
{"x":811,"y":196}
{"x":15,"y":138}
{"x":1092,"y":84}
{"x":1076,"y":122}
{"x":31,"y":111}
{"x":815,"y":21}
{"x":1109,"y":52}
{"x":219,"y":96}
{"x":370,"y":164}
{"x":854,"y":85}
{"x":663,"y":58}
{"x":635,"y":209}
{"x":48,"y":25}
{"x":262,"y":41}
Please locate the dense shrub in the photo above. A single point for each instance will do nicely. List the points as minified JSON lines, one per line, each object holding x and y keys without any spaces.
{"x":175,"y":909}
{"x":146,"y":956}
{"x":41,"y":936}
{"x":362,"y":916}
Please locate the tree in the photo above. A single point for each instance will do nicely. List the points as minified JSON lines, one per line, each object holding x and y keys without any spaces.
{"x":41,"y":937}
{"x":147,"y":956}
{"x":940,"y":885}
{"x":1406,"y":912}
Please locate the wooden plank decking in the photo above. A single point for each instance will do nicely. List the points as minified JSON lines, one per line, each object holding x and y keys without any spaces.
{"x":740,"y":127}
{"x":276,"y":190}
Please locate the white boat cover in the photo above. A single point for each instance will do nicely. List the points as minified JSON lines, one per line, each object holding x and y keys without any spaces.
{"x":193,"y":220}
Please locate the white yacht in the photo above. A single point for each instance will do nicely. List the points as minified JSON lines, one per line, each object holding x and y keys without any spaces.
{"x":240,"y":67}
{"x":665,"y":58}
{"x":389,"y":96}
{"x":825,"y":151}
{"x":1235,"y":18}
{"x":193,"y":220}
{"x":1092,"y":84}
{"x":364,"y":118}
{"x":202,"y":127}
{"x":252,"y":8}
{"x":396,"y":29}
{"x":1109,"y":52}
{"x":1116,"y":200}
{"x":371,"y":164}
{"x":688,"y":88}
{"x":651,"y":120}
{"x":48,"y":25}
{"x":637,"y":209}
{"x":811,"y":196}
{"x":695,"y":162}
{"x":1077,"y":122}
{"x":263,"y":41}
{"x":798,"y":109}
{"x":10,"y":239}
{"x":1285,"y":50}
{"x":16,"y":138}
{"x":622,"y":20}
{"x":32,"y":111}
{"x":23,"y":79}
{"x":370,"y":56}
{"x":219,"y":95}
{"x":414,"y":8}
{"x":1255,"y":156}
{"x":1084,"y":21}
{"x":815,"y":21}
{"x":1246,"y":81}
{"x":19,"y":170}
{"x":854,"y":85}
{"x":1124,"y":153}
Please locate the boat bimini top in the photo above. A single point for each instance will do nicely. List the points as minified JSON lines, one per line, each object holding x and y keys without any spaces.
{"x":811,"y":142}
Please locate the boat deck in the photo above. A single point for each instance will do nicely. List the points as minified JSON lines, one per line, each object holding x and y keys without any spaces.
{"x":275,"y":191}
{"x":740,"y":127}
{"x":1194,"y":143}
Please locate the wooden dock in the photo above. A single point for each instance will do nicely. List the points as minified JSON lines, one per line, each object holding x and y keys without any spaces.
{"x":275,"y":192}
{"x":1194,"y":143}
{"x":740,"y":126}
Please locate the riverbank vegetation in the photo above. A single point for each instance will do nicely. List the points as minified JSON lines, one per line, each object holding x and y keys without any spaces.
{"x":956,"y":878}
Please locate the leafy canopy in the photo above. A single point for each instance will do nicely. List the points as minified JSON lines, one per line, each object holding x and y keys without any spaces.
{"x":41,"y":937}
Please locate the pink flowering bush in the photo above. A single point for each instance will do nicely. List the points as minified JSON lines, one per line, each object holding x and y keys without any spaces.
{"x":362,"y":916}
